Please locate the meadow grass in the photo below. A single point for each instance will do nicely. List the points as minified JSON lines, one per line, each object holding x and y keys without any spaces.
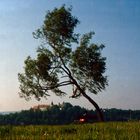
{"x":96,"y":131}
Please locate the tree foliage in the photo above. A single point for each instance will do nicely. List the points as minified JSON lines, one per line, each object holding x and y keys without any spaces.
{"x":59,"y":65}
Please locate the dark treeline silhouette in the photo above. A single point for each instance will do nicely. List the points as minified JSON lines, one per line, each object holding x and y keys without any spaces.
{"x":121,"y":115}
{"x":65,"y":114}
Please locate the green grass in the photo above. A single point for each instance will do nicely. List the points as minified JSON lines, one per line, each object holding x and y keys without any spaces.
{"x":97,"y":131}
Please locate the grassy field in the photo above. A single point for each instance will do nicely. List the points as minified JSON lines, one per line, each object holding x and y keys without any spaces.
{"x":97,"y":131}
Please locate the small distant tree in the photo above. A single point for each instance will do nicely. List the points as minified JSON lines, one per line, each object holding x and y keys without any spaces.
{"x":58,"y":64}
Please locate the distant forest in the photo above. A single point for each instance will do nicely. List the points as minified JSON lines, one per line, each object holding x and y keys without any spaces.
{"x":65,"y":113}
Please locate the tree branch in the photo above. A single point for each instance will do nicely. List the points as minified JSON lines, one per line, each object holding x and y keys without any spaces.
{"x":75,"y":95}
{"x":65,"y":83}
{"x":65,"y":69}
{"x":69,"y":72}
{"x":53,"y":68}
{"x":64,"y":76}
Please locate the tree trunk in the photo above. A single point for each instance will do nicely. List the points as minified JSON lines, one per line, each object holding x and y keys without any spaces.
{"x":99,"y":112}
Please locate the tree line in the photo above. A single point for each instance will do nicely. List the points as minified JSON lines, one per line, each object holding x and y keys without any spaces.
{"x":64,"y":113}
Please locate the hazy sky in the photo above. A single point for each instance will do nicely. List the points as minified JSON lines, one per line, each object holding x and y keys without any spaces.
{"x":116,"y":24}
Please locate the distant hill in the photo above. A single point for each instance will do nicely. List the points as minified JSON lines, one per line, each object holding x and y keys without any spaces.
{"x":64,"y":113}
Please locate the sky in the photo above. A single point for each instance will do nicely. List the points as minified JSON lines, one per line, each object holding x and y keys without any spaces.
{"x":116,"y":24}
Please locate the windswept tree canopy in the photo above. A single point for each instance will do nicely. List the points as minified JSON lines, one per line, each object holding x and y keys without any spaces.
{"x":58,"y":64}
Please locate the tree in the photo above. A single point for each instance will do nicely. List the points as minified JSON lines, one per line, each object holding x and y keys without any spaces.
{"x":58,"y":64}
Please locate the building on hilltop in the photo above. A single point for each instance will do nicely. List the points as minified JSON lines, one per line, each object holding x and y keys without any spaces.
{"x":40,"y":107}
